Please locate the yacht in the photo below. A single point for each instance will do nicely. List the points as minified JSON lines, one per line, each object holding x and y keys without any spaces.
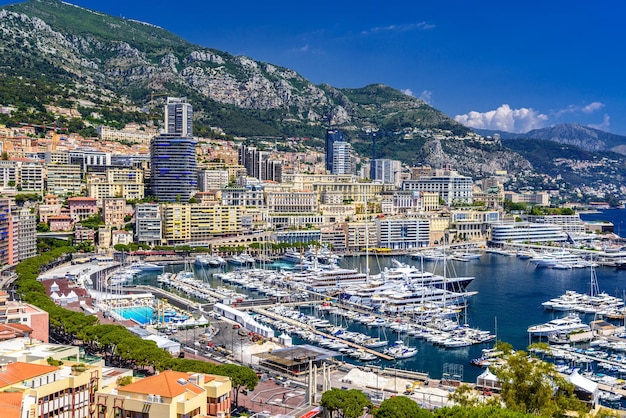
{"x":567,"y":324}
{"x":323,"y":280}
{"x":241,"y":259}
{"x":209,"y":261}
{"x":142,"y":266}
{"x":400,"y":351}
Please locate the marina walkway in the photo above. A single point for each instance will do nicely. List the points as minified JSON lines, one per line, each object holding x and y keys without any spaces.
{"x":295,"y":323}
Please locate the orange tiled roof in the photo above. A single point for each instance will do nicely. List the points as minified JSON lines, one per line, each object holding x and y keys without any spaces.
{"x":19,"y":371}
{"x":163,"y":384}
{"x":10,"y":404}
{"x":19,"y":327}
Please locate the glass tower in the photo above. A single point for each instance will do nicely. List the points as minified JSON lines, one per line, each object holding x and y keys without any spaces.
{"x":173,"y":155}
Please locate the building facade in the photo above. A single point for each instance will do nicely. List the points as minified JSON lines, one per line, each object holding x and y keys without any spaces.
{"x":403,"y":233}
{"x":64,"y":179}
{"x":148,"y":223}
{"x":451,"y":186}
{"x":173,"y":175}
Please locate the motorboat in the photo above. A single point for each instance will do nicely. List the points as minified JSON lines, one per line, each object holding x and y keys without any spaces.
{"x":567,"y":324}
{"x":400,"y":351}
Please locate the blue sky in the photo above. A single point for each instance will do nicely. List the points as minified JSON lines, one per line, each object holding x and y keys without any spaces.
{"x":513,"y":66}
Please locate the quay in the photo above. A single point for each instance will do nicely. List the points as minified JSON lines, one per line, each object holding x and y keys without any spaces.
{"x":293,"y":322}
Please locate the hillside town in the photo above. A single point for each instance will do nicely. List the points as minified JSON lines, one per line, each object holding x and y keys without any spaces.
{"x":222,"y":194}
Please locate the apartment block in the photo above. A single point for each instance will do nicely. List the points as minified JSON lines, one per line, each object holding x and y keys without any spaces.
{"x":82,"y":207}
{"x":64,"y":179}
{"x":168,"y":394}
{"x":113,"y":211}
{"x":148,"y":223}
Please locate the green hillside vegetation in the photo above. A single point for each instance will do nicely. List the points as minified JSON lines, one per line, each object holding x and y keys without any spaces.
{"x":80,"y":21}
{"x":544,"y":153}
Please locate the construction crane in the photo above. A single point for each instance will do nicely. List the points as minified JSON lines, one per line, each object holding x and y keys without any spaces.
{"x":153,"y":95}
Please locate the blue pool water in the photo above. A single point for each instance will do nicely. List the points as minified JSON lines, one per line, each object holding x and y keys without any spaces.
{"x":140,"y":314}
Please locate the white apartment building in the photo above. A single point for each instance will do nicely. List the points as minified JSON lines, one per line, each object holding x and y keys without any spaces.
{"x":90,"y":158}
{"x":8,"y":173}
{"x":148,"y":223}
{"x":212,"y":179}
{"x":402,"y":233}
{"x":451,"y":186}
{"x":386,"y":171}
{"x":292,"y":202}
{"x":64,"y":179}
{"x":27,"y":233}
{"x":32,"y":177}
{"x":342,"y":158}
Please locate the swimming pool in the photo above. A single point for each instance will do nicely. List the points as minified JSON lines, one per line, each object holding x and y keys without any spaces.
{"x":140,"y":314}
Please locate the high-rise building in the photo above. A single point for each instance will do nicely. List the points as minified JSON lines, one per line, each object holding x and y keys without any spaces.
{"x":385,"y":170}
{"x":173,"y":155}
{"x":5,"y":230}
{"x":342,"y":158}
{"x":178,"y":117}
{"x":332,"y":136}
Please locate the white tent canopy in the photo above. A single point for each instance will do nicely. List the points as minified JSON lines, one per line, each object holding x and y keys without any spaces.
{"x":488,"y":380}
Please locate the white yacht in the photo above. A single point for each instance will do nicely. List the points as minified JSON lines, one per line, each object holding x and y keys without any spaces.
{"x":567,"y":324}
{"x":400,"y":351}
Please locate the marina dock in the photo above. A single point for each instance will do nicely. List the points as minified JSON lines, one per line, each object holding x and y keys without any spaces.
{"x":293,"y":322}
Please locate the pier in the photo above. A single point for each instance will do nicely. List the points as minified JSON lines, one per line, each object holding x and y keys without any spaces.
{"x":293,"y":322}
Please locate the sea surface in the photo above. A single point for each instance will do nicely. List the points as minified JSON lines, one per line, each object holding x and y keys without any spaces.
{"x":510,"y":293}
{"x":617,"y":216}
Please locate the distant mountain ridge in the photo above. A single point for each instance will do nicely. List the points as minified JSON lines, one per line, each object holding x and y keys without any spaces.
{"x":584,"y":137}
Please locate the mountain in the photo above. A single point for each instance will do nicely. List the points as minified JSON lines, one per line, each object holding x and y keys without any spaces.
{"x":100,"y":58}
{"x":82,"y":68}
{"x":584,"y":137}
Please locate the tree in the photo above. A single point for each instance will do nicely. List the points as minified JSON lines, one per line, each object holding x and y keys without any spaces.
{"x":535,"y":387}
{"x":464,"y":396}
{"x":400,"y":407}
{"x":240,"y":376}
{"x":348,"y":403}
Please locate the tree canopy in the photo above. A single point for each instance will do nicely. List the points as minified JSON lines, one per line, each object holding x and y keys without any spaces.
{"x":347,"y":403}
{"x":400,"y":407}
{"x":532,"y":386}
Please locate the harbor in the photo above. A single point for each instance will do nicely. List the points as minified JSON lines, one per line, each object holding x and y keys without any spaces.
{"x":499,"y":294}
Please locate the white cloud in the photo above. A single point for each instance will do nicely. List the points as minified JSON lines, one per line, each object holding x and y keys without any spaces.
{"x":605,"y":125}
{"x":504,"y":119}
{"x":592,"y":107}
{"x":427,"y":96}
{"x":399,"y":28}
{"x":408,"y":92}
